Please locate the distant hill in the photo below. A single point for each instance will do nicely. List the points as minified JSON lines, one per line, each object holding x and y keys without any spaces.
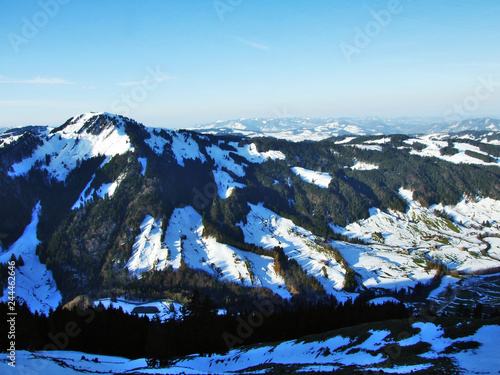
{"x":305,"y":128}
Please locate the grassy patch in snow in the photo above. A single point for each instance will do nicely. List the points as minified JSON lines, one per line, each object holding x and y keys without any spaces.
{"x":451,"y":226}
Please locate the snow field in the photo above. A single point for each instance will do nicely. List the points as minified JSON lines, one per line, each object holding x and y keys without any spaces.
{"x":434,"y":145}
{"x":105,"y":190}
{"x":34,"y":283}
{"x":368,"y":147}
{"x":144,"y":163}
{"x":267,"y":229}
{"x":184,"y":242}
{"x":401,"y":242}
{"x":320,"y":179}
{"x":148,"y":251}
{"x":69,"y":145}
{"x":321,"y":356}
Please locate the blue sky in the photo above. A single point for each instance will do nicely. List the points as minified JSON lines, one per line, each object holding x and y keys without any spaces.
{"x":185,"y":62}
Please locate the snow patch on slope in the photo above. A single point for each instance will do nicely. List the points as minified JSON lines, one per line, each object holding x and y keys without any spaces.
{"x":34,"y":283}
{"x":225,"y":183}
{"x":401,"y":243}
{"x":326,"y":356}
{"x":106,"y":190}
{"x":182,"y":145}
{"x":144,"y":163}
{"x":320,"y":179}
{"x":251,"y":153}
{"x":368,"y":147}
{"x":225,"y":163}
{"x":184,"y":242}
{"x":185,"y":147}
{"x":147,"y":250}
{"x":166,"y":308}
{"x":267,"y":229}
{"x":362,"y":166}
{"x":434,"y":144}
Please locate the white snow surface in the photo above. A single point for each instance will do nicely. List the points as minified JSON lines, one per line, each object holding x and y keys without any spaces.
{"x":70,"y":144}
{"x":287,"y":353}
{"x":60,"y":362}
{"x":362,"y":166}
{"x":144,"y":163}
{"x":251,"y":153}
{"x":446,"y":281}
{"x":182,"y":144}
{"x":106,"y":190}
{"x":185,"y":147}
{"x":184,"y":241}
{"x":378,"y":141}
{"x":267,"y":229}
{"x":483,"y":360}
{"x":147,"y":250}
{"x":435,"y":144}
{"x":34,"y":283}
{"x":226,"y":165}
{"x":400,"y":243}
{"x":368,"y":147}
{"x":322,"y":356}
{"x":346,"y":140}
{"x":320,"y":179}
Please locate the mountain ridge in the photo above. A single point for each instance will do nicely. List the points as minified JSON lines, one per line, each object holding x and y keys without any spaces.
{"x":127,"y":210}
{"x":307,"y":128}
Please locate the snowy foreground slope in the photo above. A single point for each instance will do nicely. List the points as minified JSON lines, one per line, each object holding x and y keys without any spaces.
{"x":397,"y":348}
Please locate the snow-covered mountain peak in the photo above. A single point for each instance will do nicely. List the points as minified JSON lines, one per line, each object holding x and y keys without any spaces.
{"x":80,"y":138}
{"x":93,"y":123}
